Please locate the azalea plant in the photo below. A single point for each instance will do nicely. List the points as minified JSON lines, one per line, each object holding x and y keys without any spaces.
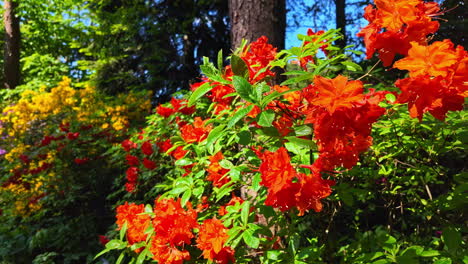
{"x":237,"y":168}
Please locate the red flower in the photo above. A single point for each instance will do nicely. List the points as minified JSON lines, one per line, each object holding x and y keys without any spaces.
{"x":103,"y":240}
{"x":216,"y":173}
{"x":137,"y":221}
{"x":179,"y":153}
{"x":435,"y":59}
{"x":211,"y":239}
{"x":128,"y":145}
{"x":426,"y":94}
{"x":196,"y":132}
{"x":164,"y":111}
{"x":287,"y":188}
{"x":132,"y":160}
{"x":150,"y":165}
{"x":80,"y":161}
{"x":173,"y":227}
{"x":130,"y":187}
{"x":165,"y":145}
{"x":72,"y":136}
{"x":147,"y":148}
{"x":257,"y":56}
{"x":132,"y":174}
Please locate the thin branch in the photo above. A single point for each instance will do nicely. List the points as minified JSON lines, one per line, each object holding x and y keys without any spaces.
{"x":368,"y":73}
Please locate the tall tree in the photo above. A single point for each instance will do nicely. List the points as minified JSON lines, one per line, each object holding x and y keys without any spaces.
{"x":11,"y":65}
{"x":340,"y":15}
{"x":251,"y":19}
{"x":154,"y":45}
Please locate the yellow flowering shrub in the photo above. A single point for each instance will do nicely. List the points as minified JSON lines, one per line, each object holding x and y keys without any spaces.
{"x":49,"y":132}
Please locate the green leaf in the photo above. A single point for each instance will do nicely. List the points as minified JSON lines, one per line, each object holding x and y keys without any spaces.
{"x":381,"y":261}
{"x":198,"y":93}
{"x":186,"y":196}
{"x":266,"y":118}
{"x":303,"y":130}
{"x":256,"y":182}
{"x":239,"y":115}
{"x":220,"y":60}
{"x":452,"y":238}
{"x":443,"y":261}
{"x":429,"y":253}
{"x":115,"y":244}
{"x":215,"y":134}
{"x":390,"y":97}
{"x":183,"y":162}
{"x":123,"y":230}
{"x":351,"y":66}
{"x":102,"y":252}
{"x":308,"y":76}
{"x":244,"y":137}
{"x":142,"y":256}
{"x":307,"y":143}
{"x":121,"y":257}
{"x":243,"y":88}
{"x":250,"y":239}
{"x":239,"y":67}
{"x":245,"y":212}
{"x":224,"y":163}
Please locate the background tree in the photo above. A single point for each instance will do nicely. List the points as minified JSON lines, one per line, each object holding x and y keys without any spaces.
{"x":252,"y":19}
{"x":154,"y":45}
{"x":11,"y":65}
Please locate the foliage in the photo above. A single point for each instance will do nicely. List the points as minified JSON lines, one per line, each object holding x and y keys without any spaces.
{"x":55,"y":172}
{"x":260,"y":158}
{"x":340,"y":163}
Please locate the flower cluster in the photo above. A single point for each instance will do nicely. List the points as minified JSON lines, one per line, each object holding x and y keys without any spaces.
{"x":173,"y":231}
{"x":438,"y":71}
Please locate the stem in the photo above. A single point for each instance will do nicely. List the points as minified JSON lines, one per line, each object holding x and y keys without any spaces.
{"x":368,"y":73}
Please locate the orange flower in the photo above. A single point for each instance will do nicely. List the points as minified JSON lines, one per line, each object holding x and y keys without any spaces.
{"x":336,"y":93}
{"x":173,"y":227}
{"x":211,"y":239}
{"x":174,"y":223}
{"x":425,"y":94}
{"x":196,"y":132}
{"x":137,"y":221}
{"x":434,"y":60}
{"x":392,"y":14}
{"x":216,"y":173}
{"x":166,"y":254}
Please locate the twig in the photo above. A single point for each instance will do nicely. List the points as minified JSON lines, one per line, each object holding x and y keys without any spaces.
{"x":368,"y":72}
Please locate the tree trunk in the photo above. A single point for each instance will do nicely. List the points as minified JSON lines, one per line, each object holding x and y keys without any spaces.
{"x":12,"y":45}
{"x":251,"y":19}
{"x":340,"y":7}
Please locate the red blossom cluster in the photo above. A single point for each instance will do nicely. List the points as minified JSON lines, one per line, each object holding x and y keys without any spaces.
{"x":404,"y":21}
{"x":211,"y":239}
{"x":342,"y":116}
{"x":134,"y":162}
{"x":287,"y":188}
{"x":178,"y":105}
{"x":196,"y":132}
{"x":438,"y":79}
{"x":216,"y":173}
{"x":438,"y":72}
{"x":173,"y":231}
{"x":136,"y":219}
{"x":258,"y":56}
